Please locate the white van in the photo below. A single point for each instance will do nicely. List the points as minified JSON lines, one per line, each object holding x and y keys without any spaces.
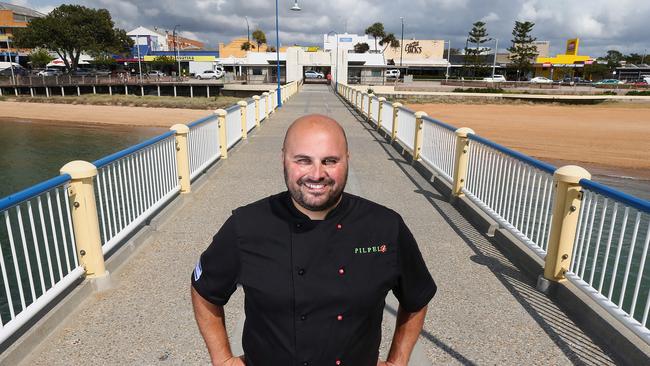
{"x":392,"y":73}
{"x":647,"y":79}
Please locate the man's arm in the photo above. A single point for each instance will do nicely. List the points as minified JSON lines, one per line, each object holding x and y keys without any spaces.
{"x":211,"y":321}
{"x":407,"y":329}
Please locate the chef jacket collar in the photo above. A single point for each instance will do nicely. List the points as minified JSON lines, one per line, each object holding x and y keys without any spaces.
{"x":286,"y":209}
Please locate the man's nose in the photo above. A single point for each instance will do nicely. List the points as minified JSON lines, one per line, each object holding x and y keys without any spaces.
{"x":318,"y":171}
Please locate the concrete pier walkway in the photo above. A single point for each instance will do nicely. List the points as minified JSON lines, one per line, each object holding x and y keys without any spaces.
{"x":486,"y":310}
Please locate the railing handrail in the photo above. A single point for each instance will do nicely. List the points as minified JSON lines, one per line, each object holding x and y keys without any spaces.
{"x":120,"y":154}
{"x":33,"y":191}
{"x":201,"y":120}
{"x":546,"y":167}
{"x":439,"y":123}
{"x":636,"y":202}
{"x":232,"y":108}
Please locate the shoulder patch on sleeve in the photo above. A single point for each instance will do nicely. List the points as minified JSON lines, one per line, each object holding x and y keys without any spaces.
{"x":197,"y":270}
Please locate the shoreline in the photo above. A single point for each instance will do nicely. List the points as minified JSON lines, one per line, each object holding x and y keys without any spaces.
{"x":78,"y":114}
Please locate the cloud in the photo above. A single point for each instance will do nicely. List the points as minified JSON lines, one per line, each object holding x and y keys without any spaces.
{"x":601,"y":24}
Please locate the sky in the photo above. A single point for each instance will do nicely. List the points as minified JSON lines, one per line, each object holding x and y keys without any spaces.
{"x":601,"y":25}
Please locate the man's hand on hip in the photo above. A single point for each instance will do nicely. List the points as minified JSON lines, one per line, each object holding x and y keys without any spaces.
{"x":233,"y":361}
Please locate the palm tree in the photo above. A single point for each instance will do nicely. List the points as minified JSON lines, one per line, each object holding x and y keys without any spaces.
{"x":259,"y":37}
{"x":389,"y":40}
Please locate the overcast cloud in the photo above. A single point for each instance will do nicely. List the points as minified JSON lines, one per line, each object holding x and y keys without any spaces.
{"x":600,"y":24}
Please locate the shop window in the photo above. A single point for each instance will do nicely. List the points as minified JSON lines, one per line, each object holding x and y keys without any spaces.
{"x":257,"y":71}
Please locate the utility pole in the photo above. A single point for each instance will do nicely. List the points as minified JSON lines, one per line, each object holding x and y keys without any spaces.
{"x":137,"y":38}
{"x":401,"y":51}
{"x":448,"y":59}
{"x":248,"y":31}
{"x":177,"y":50}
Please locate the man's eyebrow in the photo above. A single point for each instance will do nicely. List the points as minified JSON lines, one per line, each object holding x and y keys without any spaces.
{"x":301,"y":156}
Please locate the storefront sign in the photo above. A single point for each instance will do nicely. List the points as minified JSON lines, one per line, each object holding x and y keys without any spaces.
{"x":345,"y":39}
{"x":185,"y":58}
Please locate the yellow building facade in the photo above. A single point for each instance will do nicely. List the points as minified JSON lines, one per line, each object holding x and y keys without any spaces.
{"x":233,"y":49}
{"x":562,"y":65}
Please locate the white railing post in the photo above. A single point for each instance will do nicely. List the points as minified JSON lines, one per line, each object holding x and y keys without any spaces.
{"x":84,"y":217}
{"x":182,"y":157}
{"x":461,"y":161}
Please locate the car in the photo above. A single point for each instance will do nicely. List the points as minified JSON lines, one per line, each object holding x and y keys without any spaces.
{"x":82,"y":72}
{"x":496,"y":79}
{"x":609,"y":82}
{"x":210,"y":74}
{"x":392,"y":73}
{"x":17,"y":71}
{"x":155,"y":74}
{"x":102,"y":72}
{"x":50,"y":72}
{"x":541,"y":80}
{"x":311,"y":74}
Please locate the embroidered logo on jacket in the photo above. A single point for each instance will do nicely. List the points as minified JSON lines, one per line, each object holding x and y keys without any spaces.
{"x":383,"y":248}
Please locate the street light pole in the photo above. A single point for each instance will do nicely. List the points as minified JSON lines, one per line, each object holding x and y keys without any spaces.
{"x":448,"y":60}
{"x":336,"y":75}
{"x":137,"y":41}
{"x":177,"y":50}
{"x":494,"y":61}
{"x":401,"y":51}
{"x":248,"y":31}
{"x":277,"y":47}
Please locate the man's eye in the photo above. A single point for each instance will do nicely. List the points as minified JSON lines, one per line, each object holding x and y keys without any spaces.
{"x":303,"y":161}
{"x":329,"y":161}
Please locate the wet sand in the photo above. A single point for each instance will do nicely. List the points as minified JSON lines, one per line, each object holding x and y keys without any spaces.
{"x":94,"y":114}
{"x":606,"y":139}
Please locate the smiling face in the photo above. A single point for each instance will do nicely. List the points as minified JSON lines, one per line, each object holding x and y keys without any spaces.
{"x":315,"y":157}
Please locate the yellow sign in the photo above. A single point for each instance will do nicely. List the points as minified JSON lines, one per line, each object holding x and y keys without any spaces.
{"x":312,"y":49}
{"x":572,"y":46}
{"x":417,"y":50}
{"x":186,"y":58}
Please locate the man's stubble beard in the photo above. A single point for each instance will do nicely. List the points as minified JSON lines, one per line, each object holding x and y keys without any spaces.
{"x":297,"y":194}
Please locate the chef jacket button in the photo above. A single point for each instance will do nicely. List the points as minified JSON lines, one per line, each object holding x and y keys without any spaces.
{"x":339,"y":226}
{"x":303,"y":317}
{"x":338,"y":362}
{"x":298,"y":225}
{"x":339,"y":317}
{"x":301,"y":271}
{"x":341,"y":271}
{"x":305,"y":363}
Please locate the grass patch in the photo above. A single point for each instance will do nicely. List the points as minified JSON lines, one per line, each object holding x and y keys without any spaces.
{"x":639,"y":92}
{"x":135,"y":101}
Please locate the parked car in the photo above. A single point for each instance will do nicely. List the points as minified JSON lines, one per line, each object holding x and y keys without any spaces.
{"x":18,"y":71}
{"x":210,"y":74}
{"x":392,"y":73}
{"x":50,"y":72}
{"x":82,"y":72}
{"x":311,"y":74}
{"x":541,"y":80}
{"x":609,"y":82}
{"x":496,"y":79}
{"x":155,"y":74}
{"x":102,"y":72}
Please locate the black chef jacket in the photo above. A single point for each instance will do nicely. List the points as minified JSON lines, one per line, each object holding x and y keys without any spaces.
{"x":314,"y":290}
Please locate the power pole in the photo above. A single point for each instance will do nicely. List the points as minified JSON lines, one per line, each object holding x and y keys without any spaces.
{"x":401,"y":51}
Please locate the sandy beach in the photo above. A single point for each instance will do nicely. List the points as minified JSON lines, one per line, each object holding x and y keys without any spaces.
{"x":610,"y":139}
{"x":94,"y":114}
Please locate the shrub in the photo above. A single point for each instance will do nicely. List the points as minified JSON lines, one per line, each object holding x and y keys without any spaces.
{"x":478,"y":90}
{"x":638,"y":92}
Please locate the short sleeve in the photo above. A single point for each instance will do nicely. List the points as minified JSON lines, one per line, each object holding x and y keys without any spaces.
{"x":415,"y":287}
{"x":217,"y":270}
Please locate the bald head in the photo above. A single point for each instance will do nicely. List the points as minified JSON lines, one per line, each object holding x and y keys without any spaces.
{"x":315,"y":124}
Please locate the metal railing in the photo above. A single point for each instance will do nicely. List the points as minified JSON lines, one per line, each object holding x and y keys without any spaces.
{"x":609,"y":243}
{"x":514,"y":189}
{"x":132,"y":184}
{"x":610,"y":252}
{"x":39,"y":258}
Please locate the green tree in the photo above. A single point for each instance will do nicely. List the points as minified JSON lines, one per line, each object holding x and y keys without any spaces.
{"x":259,"y":37}
{"x":247,"y":46}
{"x":476,"y":37}
{"x":389,"y":40}
{"x":104,"y":61}
{"x":70,"y":30}
{"x":361,"y":47}
{"x":376,"y":31}
{"x":613,"y":59}
{"x":40,"y":58}
{"x":523,"y":51}
{"x":164,"y":63}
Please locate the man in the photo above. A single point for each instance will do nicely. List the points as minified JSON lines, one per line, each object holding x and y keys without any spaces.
{"x":315,"y":265}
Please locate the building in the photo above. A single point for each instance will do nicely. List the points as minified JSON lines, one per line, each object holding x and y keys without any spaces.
{"x":11,"y":18}
{"x":174,"y":41}
{"x":568,"y":64}
{"x":347,"y":41}
{"x":148,"y":40}
{"x":233,"y":49}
